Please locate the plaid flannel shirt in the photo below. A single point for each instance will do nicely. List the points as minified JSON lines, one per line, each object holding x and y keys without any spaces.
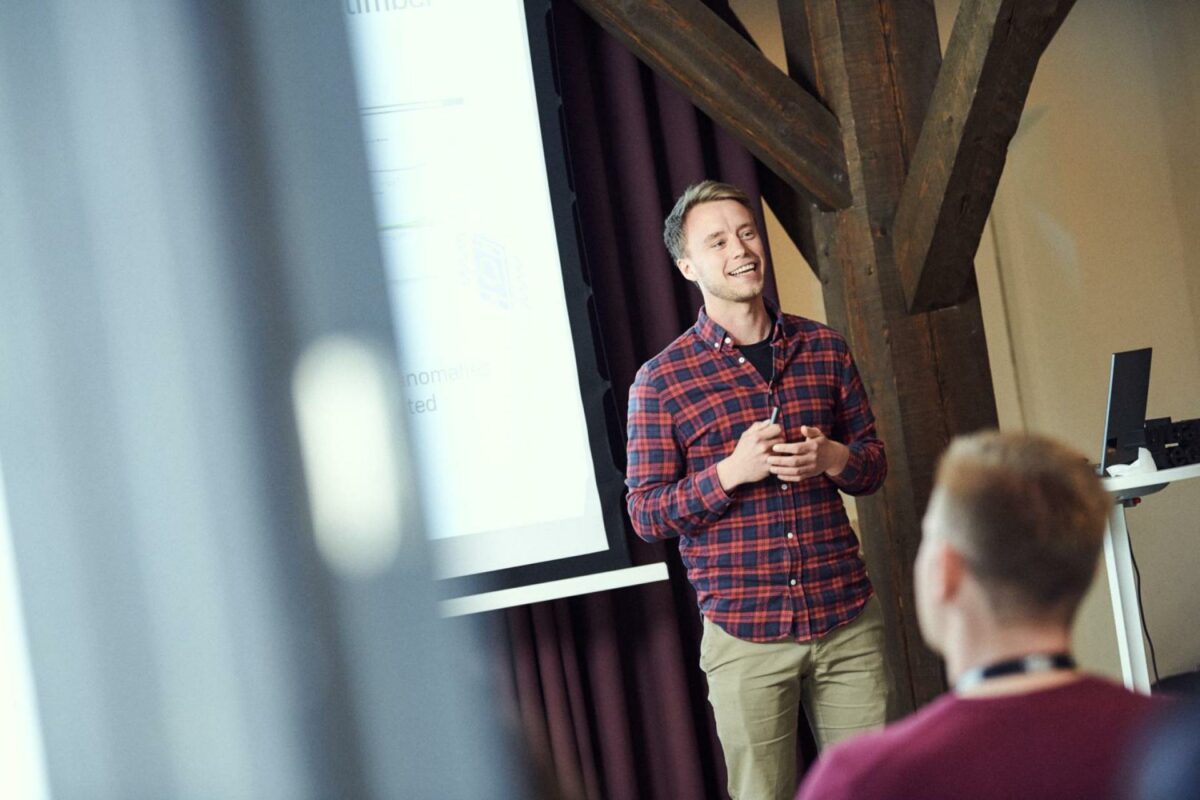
{"x":771,"y":560}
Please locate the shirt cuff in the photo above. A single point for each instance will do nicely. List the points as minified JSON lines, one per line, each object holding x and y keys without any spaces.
{"x":852,"y":473}
{"x":712,"y":494}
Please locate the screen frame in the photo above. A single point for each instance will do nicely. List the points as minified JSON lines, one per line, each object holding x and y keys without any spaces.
{"x":605,"y":433}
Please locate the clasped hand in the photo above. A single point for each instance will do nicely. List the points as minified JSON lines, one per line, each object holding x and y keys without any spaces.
{"x":761,"y":451}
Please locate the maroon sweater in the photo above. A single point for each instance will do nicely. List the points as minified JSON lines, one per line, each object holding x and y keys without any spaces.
{"x":1063,"y":742}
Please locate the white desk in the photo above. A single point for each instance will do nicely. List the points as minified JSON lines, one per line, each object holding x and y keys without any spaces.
{"x":1121,"y":579}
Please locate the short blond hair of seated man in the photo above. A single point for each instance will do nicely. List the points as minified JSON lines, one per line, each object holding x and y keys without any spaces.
{"x":1010,"y":544}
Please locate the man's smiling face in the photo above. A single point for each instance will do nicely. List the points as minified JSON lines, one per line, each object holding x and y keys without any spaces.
{"x":723,"y":252}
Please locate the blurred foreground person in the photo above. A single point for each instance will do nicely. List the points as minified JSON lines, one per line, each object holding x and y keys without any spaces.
{"x":1011,"y":541}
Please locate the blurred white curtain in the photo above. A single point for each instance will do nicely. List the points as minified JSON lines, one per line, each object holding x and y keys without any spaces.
{"x":184,"y":215}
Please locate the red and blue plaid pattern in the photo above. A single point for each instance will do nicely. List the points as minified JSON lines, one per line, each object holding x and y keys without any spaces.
{"x":772,"y":560}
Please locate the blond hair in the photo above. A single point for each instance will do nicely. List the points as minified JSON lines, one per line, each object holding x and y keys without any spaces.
{"x":694,"y":195}
{"x":1028,"y":515}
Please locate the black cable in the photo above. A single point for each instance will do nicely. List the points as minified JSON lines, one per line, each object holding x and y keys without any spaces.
{"x":1137,"y":574}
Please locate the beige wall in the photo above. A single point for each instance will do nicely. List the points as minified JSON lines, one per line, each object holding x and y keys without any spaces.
{"x":1093,"y":246}
{"x":1093,"y":249}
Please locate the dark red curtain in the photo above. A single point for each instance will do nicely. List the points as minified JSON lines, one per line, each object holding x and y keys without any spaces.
{"x":607,"y":686}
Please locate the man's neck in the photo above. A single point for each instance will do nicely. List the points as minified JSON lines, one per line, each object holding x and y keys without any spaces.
{"x":983,"y":644}
{"x":746,"y":323}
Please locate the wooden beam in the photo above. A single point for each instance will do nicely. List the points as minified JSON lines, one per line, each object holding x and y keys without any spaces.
{"x":875,"y":62}
{"x":981,"y":89}
{"x":784,"y":126}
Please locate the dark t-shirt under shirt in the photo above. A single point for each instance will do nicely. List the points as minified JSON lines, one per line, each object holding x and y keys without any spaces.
{"x":759,"y":354}
{"x":1063,"y":742}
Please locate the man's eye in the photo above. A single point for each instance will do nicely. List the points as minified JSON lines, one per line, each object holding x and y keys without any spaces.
{"x":748,"y":235}
{"x":718,"y":243}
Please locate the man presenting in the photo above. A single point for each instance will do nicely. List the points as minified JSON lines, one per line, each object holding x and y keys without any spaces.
{"x":1011,"y":539}
{"x":741,"y":433}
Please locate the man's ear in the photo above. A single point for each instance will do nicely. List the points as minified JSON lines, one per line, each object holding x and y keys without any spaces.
{"x":952,"y":570}
{"x":685,"y":266}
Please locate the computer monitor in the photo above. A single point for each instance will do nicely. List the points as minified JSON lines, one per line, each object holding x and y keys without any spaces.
{"x":1128,"y":387}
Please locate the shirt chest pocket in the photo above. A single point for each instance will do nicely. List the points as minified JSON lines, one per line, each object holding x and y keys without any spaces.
{"x":712,"y":444}
{"x":813,"y":404}
{"x":709,"y":423}
{"x":712,"y":441}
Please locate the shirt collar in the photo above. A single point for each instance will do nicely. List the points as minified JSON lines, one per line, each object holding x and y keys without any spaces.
{"x":717,"y":338}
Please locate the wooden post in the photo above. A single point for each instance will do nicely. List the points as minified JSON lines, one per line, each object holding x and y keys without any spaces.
{"x":874,"y":62}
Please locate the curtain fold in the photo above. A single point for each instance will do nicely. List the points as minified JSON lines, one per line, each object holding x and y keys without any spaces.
{"x":608,"y":686}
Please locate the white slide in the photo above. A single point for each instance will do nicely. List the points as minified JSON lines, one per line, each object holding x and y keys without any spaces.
{"x":462,"y":197}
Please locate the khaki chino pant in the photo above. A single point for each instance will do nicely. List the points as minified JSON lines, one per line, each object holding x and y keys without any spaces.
{"x":756,"y":691}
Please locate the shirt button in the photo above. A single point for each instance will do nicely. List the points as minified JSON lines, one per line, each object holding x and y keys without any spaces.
{"x":716,"y":344}
{"x":783,"y":487}
{"x":792,"y":581}
{"x":791,"y":535}
{"x":741,"y":360}
{"x":728,"y":340}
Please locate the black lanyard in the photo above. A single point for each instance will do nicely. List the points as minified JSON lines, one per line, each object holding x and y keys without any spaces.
{"x":1038,"y":662}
